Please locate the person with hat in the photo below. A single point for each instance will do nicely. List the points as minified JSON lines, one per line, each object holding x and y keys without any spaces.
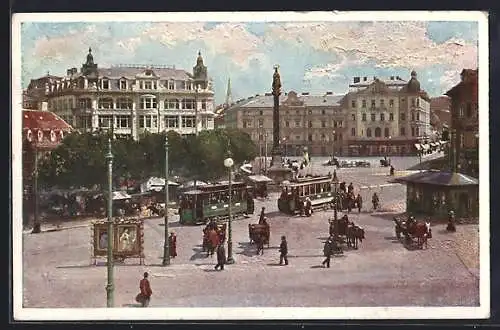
{"x":221,"y":256}
{"x":172,"y":243}
{"x":328,"y":251}
{"x":145,"y":295}
{"x":262,"y":215}
{"x":308,"y":207}
{"x":451,"y":222}
{"x":283,"y":251}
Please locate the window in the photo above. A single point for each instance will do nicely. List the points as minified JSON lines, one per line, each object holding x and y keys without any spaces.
{"x":310,"y":124}
{"x":297,"y":137}
{"x":261,"y":122}
{"x":412,"y":102}
{"x":391,"y":117}
{"x":287,"y":123}
{"x":122,"y":121}
{"x":323,"y":137}
{"x":340,"y":136}
{"x":386,"y":132}
{"x":123,"y":84}
{"x":418,"y":116}
{"x":171,"y":121}
{"x":391,"y":103}
{"x":148,"y":102}
{"x":403,"y":116}
{"x":335,"y":123}
{"x":461,"y":111}
{"x":297,"y":112}
{"x":297,"y":123}
{"x":353,"y":117}
{"x":335,"y":137}
{"x":105,"y":84}
{"x":123,"y":103}
{"x":84,"y":121}
{"x":353,"y":131}
{"x":204,"y":104}
{"x":105,"y":103}
{"x":188,"y":121}
{"x":418,"y":102}
{"x":189,"y":86}
{"x":323,"y":123}
{"x":172,"y":104}
{"x":148,"y":85}
{"x":261,"y":113}
{"x":382,"y":117}
{"x":368,"y":132}
{"x":373,"y":117}
{"x":363,"y":104}
{"x":105,"y":121}
{"x":412,"y":116}
{"x":188,"y":104}
{"x":412,"y":131}
{"x":309,"y":137}
{"x":171,"y":85}
{"x":462,"y":140}
{"x":373,"y":104}
{"x":382,"y":103}
{"x":323,"y":112}
{"x":261,"y":137}
{"x":353,"y":104}
{"x":468,"y":110}
{"x":402,"y":131}
{"x":417,"y":131}
{"x":363,"y":117}
{"x":245,"y":124}
{"x":378,"y":132}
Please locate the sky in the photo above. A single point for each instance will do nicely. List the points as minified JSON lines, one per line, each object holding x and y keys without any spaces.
{"x":313,"y":57}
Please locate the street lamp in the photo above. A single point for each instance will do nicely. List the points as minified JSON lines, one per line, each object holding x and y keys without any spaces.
{"x":388,"y":147}
{"x":166,"y":247}
{"x":284,"y":143}
{"x":110,"y":285}
{"x":336,"y":195}
{"x":228,"y":163}
{"x":265,"y":162}
{"x":333,"y":144}
{"x":37,"y":227}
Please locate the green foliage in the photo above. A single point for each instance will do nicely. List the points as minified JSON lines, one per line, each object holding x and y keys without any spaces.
{"x":79,"y":161}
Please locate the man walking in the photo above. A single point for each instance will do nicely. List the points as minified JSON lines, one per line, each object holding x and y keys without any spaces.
{"x":221,"y":256}
{"x":283,"y":251}
{"x":328,"y":251}
{"x":145,"y":295}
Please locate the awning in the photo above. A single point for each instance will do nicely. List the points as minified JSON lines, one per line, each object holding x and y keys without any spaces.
{"x":259,"y":178}
{"x":418,"y":146}
{"x":120,"y":195}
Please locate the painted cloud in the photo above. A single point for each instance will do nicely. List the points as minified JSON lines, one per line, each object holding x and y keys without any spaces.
{"x":313,"y":57}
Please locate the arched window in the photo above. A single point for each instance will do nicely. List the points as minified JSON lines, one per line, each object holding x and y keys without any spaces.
{"x":188,"y":104}
{"x":386,"y":132}
{"x":363,"y":117}
{"x":378,"y":132}
{"x":353,"y":131}
{"x":172,"y":104}
{"x":105,"y":103}
{"x":148,"y":102}
{"x":124,"y":103}
{"x":368,"y":132}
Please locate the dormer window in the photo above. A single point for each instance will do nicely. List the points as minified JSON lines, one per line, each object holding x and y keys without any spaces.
{"x":105,"y":84}
{"x":171,"y":85}
{"x":149,"y":73}
{"x":123,"y":84}
{"x":148,"y":85}
{"x":189,"y":86}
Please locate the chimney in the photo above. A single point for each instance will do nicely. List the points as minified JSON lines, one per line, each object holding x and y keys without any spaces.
{"x":356,"y":80}
{"x":268,"y":94}
{"x":305,"y":93}
{"x":392,"y":77}
{"x":365,"y":78}
{"x":329,"y":93}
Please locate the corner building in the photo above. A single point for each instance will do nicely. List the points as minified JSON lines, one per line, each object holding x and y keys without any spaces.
{"x":130,"y":100}
{"x":385,"y":117}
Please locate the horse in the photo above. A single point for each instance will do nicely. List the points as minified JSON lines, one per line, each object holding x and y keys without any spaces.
{"x":354,"y":234}
{"x":419,"y":229}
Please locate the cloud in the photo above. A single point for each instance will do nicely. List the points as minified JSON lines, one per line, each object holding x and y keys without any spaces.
{"x":449,"y":79}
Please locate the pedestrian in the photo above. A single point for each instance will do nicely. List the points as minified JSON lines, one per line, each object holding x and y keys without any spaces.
{"x":262,"y":215}
{"x":328,"y":251}
{"x":172,"y":243}
{"x":308,"y":207}
{"x":451,"y":222}
{"x":221,"y":257}
{"x":283,"y":251}
{"x":145,"y":295}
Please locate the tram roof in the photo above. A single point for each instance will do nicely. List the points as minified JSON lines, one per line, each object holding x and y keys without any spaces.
{"x":307,"y":181}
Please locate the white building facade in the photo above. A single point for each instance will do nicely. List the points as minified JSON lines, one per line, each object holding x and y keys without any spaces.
{"x":132,"y":100}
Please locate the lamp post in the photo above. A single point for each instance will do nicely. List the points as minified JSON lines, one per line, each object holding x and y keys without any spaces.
{"x":228,"y":163}
{"x":336,"y":196}
{"x":284,"y":144}
{"x":265,"y":161}
{"x":333,"y":144}
{"x":166,"y":247}
{"x":389,"y":146}
{"x":37,"y":227}
{"x":110,"y":263}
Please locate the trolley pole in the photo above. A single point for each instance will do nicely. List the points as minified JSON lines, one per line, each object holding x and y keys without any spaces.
{"x":110,"y":286}
{"x":166,"y":247}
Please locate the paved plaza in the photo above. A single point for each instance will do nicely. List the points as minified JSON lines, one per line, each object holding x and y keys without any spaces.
{"x":382,"y":272}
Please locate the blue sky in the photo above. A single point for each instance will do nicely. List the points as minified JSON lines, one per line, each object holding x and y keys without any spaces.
{"x":314,"y":57}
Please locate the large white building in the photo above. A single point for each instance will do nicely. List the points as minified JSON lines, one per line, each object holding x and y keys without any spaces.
{"x":129,"y":99}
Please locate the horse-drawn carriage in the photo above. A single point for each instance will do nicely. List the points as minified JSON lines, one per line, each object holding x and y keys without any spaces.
{"x":344,"y":231}
{"x":212,"y":201}
{"x":213,"y":234}
{"x":259,"y":233}
{"x":412,"y":229}
{"x":385,"y":162}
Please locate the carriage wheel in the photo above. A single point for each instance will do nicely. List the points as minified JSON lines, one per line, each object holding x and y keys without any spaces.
{"x":291,"y":206}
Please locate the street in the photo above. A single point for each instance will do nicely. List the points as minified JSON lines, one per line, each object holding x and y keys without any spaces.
{"x":382,"y":272}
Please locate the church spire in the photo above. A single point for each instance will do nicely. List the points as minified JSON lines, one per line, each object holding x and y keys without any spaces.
{"x":229,"y":96}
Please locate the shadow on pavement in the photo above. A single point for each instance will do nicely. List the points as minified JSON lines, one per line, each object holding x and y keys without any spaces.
{"x":394,"y":239}
{"x":275,"y":264}
{"x":211,"y":270}
{"x":132,"y":305}
{"x":79,"y":266}
{"x":171,"y":224}
{"x":387,"y":216}
{"x":248,"y":249}
{"x":199,"y":254}
{"x":317,"y":266}
{"x":305,"y":256}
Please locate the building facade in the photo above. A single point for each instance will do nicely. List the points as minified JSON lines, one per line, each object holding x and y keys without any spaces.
{"x":385,"y":117}
{"x":130,"y":100}
{"x":440,"y":112}
{"x":312,"y":121}
{"x":465,"y":124}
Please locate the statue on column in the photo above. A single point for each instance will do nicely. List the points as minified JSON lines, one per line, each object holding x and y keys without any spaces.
{"x":276,"y":82}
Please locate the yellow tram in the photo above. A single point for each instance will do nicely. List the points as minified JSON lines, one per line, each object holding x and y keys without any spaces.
{"x":294,"y":193}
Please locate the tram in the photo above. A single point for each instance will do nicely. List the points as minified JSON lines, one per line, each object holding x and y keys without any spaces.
{"x":318,"y":189}
{"x":198,"y":206}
